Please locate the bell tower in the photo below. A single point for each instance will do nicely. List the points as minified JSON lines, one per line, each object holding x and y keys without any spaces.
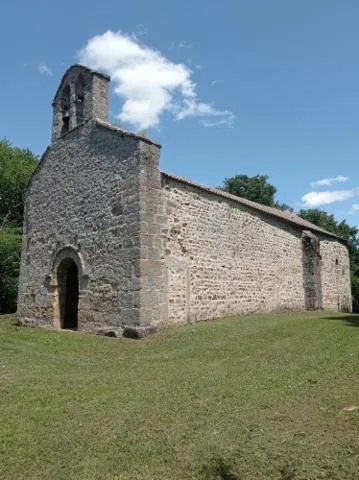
{"x":81,"y":96}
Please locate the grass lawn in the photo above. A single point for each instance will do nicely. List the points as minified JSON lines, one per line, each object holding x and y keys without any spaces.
{"x":259,"y":397}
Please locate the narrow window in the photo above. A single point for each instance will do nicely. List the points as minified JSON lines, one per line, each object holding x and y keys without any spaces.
{"x":65,"y":109}
{"x":80,"y":98}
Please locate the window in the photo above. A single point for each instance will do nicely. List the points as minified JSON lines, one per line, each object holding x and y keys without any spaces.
{"x":80,"y":98}
{"x":65,"y":109}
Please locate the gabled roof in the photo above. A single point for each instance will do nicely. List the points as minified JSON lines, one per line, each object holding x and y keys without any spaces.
{"x":286,"y":216}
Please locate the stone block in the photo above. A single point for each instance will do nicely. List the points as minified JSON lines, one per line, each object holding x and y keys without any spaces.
{"x":136,"y":332}
{"x":115,"y":332}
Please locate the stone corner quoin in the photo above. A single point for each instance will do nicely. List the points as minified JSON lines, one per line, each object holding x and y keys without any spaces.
{"x":113,"y":246}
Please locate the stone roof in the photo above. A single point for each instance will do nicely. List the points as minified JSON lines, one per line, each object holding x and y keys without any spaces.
{"x":286,"y":216}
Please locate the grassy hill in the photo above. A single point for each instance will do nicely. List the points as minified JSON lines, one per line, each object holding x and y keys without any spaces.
{"x":259,"y":397}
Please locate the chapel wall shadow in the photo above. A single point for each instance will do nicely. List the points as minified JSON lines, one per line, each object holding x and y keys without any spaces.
{"x":350,"y":319}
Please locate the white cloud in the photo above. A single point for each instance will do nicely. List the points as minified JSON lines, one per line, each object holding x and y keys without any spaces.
{"x":42,"y":68}
{"x":354,"y":209}
{"x":215,"y":82}
{"x":327,"y":182}
{"x":185,"y":44}
{"x":315,"y":199}
{"x":148,"y":82}
{"x":228,"y":120}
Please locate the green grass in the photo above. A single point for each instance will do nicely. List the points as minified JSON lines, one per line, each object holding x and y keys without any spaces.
{"x":259,"y":397}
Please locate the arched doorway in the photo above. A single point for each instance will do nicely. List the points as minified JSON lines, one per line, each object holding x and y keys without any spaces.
{"x":68,"y":291}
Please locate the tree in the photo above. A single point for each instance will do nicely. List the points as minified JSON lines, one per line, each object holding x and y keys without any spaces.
{"x":284,"y":206}
{"x":256,"y":188}
{"x":344,"y":230}
{"x":328,"y":222}
{"x":16,"y":167}
{"x":10,"y":245}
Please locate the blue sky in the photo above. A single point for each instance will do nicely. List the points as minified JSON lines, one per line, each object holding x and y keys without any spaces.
{"x":255,"y":86}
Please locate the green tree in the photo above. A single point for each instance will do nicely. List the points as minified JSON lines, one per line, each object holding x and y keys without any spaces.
{"x":10,"y":245}
{"x":284,"y":206}
{"x":344,"y":230}
{"x":328,"y":222}
{"x":256,"y":188}
{"x":16,"y":166}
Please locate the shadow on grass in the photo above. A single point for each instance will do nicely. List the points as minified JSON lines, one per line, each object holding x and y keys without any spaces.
{"x":351,"y":320}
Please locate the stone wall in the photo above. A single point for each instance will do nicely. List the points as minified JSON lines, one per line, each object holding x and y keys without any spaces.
{"x":84,"y":202}
{"x":223,"y":258}
{"x":152,"y":250}
{"x":336,"y":287}
{"x":153,"y":234}
{"x":312,"y":275}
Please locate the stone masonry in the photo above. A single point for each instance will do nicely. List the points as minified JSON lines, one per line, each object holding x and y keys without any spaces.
{"x":111,"y":244}
{"x":226,"y":255}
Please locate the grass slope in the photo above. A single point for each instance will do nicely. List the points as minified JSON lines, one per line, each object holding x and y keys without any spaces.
{"x":259,"y":397}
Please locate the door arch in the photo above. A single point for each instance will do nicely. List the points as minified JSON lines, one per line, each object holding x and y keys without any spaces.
{"x":67,"y":285}
{"x":68,"y":293}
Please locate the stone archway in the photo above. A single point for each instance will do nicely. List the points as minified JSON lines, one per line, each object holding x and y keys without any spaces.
{"x":67,"y":285}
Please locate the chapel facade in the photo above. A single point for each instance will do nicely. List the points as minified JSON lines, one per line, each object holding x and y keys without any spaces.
{"x":112,"y":244}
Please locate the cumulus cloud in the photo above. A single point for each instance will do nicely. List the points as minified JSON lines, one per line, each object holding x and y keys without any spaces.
{"x":327,"y":182}
{"x":44,"y":69}
{"x":315,"y":199}
{"x":148,"y":83}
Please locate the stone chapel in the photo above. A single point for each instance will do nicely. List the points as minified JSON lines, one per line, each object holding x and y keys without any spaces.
{"x":112,"y":244}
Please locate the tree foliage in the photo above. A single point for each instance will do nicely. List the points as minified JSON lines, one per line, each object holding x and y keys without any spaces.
{"x":256,"y":188}
{"x":328,"y":222}
{"x":16,"y":166}
{"x":10,"y":245}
